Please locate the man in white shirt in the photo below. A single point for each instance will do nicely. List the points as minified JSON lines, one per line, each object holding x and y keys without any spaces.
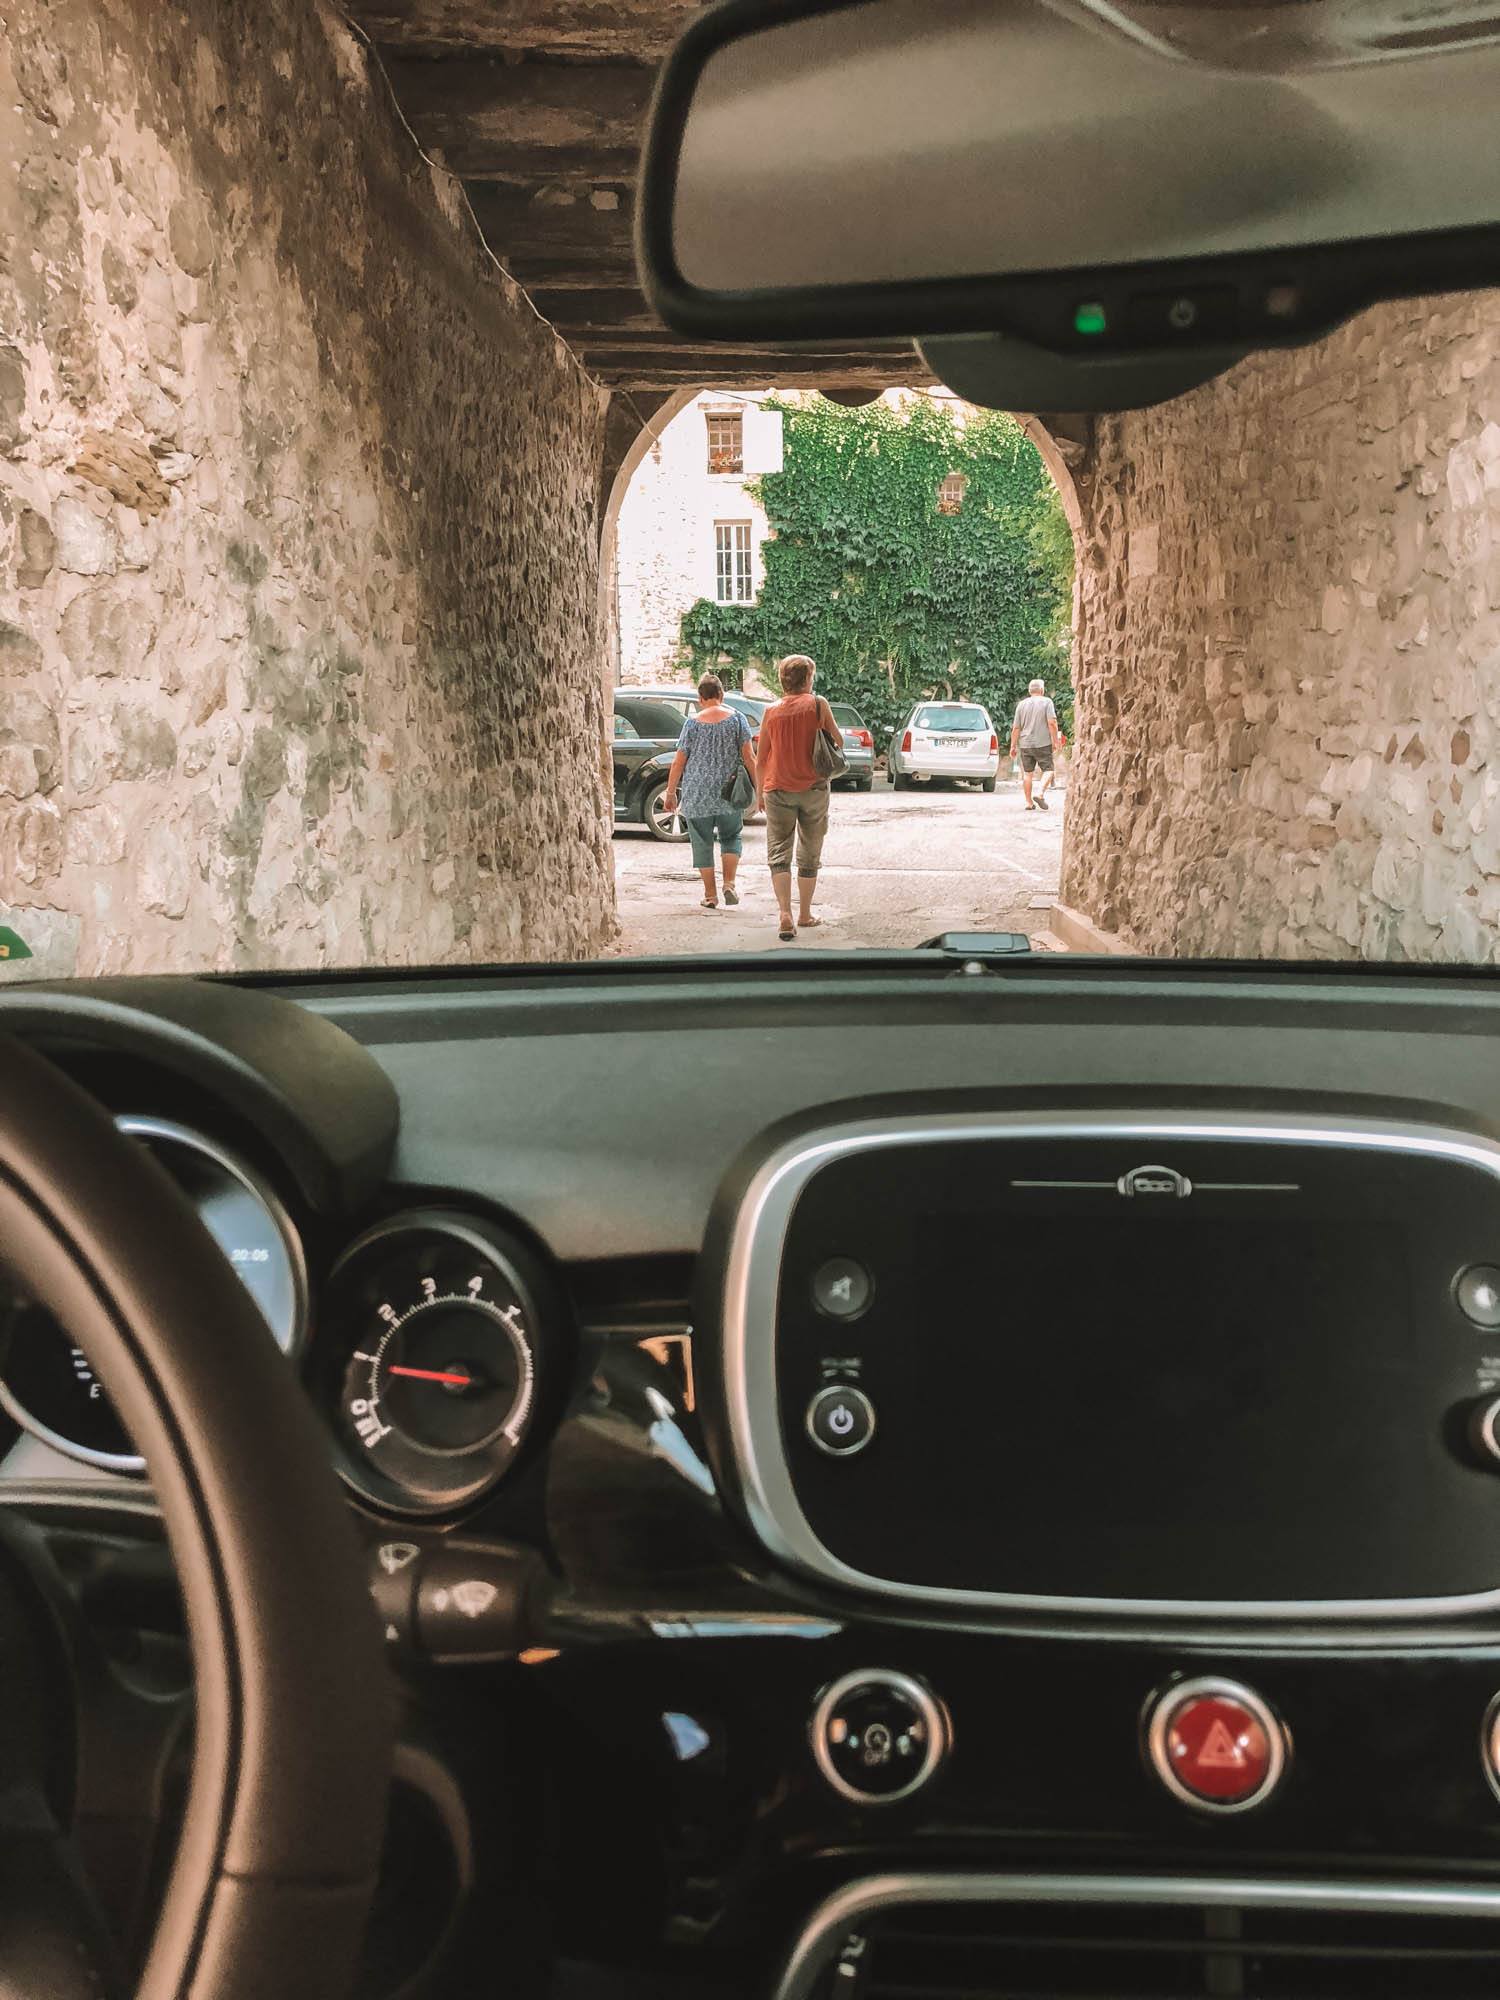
{"x":1035,"y":735}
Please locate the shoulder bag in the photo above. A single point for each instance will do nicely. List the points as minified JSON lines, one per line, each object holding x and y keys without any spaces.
{"x":738,"y":790}
{"x":828,"y":758}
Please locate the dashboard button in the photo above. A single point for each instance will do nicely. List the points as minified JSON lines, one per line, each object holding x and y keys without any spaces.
{"x":842,"y":1288}
{"x":841,"y":1420}
{"x":1484,"y":1431}
{"x":1216,"y":1745}
{"x":878,"y":1735}
{"x":1489,"y":1745}
{"x":1478,"y":1293}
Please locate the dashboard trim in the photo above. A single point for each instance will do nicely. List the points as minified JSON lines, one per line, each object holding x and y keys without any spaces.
{"x":838,"y":1914}
{"x":751,"y":1289}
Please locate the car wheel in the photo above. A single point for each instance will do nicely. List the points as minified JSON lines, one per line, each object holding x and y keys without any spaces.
{"x":987,"y":784}
{"x":864,"y":784}
{"x":901,"y":780}
{"x":662,"y":825}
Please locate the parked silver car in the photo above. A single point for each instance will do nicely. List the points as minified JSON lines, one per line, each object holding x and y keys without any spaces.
{"x":945,"y":739}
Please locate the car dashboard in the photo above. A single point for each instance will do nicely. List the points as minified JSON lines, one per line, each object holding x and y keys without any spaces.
{"x":903,"y":1475}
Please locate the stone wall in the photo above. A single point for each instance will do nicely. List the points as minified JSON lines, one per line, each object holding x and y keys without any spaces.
{"x":1288,"y":659}
{"x":298,"y":650}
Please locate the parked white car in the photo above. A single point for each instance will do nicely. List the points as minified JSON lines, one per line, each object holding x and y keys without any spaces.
{"x":945,"y":739}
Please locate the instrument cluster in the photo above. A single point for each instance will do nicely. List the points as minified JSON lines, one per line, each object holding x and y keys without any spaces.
{"x":427,"y":1360}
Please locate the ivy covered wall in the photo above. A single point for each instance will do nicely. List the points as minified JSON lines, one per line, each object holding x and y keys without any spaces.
{"x":893,"y":596}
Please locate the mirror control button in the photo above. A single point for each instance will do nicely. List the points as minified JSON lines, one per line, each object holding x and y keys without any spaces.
{"x":841,"y":1420}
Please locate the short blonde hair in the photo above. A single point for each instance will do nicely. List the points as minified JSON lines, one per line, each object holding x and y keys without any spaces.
{"x":795,"y":672}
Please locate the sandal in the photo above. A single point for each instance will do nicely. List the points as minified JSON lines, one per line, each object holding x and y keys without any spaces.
{"x":732,"y":897}
{"x":808,"y":923}
{"x":710,"y":903}
{"x":788,"y":931}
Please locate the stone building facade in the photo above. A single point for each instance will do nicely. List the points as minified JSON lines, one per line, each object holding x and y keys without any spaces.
{"x":1288,"y":661}
{"x":298,"y":521}
{"x":688,"y":527}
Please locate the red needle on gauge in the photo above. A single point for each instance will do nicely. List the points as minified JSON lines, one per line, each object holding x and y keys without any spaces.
{"x":432,"y":1375}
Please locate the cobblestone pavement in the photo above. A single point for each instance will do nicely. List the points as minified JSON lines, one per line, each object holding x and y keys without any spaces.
{"x":898,"y":867}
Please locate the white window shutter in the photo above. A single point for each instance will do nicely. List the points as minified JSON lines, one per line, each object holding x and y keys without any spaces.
{"x":763,"y":451}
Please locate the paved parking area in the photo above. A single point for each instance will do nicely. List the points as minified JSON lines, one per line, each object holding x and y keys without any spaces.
{"x":898,"y":867}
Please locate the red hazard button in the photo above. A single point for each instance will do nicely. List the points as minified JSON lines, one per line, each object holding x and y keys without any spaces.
{"x":1216,"y":1744}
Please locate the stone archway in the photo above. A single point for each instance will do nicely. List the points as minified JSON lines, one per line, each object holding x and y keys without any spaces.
{"x":635,"y":423}
{"x":630,"y":432}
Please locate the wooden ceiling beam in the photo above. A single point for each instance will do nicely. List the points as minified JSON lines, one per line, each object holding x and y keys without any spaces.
{"x":579,"y":273}
{"x":625,"y":370}
{"x":596,"y":329}
{"x":580,"y":30}
{"x":671,"y":348}
{"x":539,"y":106}
{"x":599,"y":305}
{"x":496,"y":118}
{"x":546,"y":217}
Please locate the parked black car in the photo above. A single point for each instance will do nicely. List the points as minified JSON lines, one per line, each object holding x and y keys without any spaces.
{"x":646,"y":733}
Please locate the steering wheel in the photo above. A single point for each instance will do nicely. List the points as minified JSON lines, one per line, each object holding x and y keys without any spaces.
{"x":285,"y":1809}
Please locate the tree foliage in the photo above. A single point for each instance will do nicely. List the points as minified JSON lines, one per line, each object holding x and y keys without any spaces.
{"x":892,"y":597}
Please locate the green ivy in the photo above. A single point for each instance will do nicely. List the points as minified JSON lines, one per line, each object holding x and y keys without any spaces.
{"x":894,"y":599}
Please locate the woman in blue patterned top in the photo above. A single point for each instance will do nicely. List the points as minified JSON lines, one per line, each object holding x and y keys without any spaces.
{"x":714,"y":744}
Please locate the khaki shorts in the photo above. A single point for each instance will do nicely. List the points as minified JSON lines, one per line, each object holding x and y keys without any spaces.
{"x":796,"y":816}
{"x":1037,"y":760}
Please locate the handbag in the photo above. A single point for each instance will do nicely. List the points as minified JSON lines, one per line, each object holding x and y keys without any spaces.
{"x":739,"y":788}
{"x":828,"y":758}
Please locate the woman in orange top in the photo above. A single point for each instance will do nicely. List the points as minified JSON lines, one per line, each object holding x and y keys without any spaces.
{"x":794,"y":796}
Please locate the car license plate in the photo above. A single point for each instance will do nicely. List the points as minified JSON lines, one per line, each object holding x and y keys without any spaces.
{"x":951,"y":742}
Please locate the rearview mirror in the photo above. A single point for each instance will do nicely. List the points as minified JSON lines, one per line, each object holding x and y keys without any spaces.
{"x":1125,"y":182}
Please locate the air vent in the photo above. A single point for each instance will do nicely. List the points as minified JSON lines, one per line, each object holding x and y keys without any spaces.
{"x":1072,"y":1951}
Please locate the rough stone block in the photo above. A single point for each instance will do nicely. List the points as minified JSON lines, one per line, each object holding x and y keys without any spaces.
{"x":85,"y":542}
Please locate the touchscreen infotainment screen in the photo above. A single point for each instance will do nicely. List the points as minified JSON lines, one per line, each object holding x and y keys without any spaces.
{"x":1224,"y":1398}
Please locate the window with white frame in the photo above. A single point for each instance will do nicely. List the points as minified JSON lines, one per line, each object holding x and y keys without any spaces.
{"x":726,"y":441}
{"x":951,"y":494}
{"x":733,"y":581}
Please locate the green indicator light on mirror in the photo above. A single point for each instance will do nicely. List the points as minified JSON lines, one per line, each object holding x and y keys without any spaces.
{"x":1089,"y":318}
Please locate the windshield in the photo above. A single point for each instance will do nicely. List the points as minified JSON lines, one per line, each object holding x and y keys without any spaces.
{"x":946,"y":715}
{"x":356,"y":593}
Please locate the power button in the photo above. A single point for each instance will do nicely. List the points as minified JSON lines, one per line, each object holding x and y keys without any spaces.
{"x":841,"y":1420}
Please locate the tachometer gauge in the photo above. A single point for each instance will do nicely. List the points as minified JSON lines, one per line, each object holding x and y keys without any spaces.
{"x":48,"y":1385}
{"x":430,"y":1358}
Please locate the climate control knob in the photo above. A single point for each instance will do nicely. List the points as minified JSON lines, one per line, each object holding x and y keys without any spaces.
{"x":879,"y":1735}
